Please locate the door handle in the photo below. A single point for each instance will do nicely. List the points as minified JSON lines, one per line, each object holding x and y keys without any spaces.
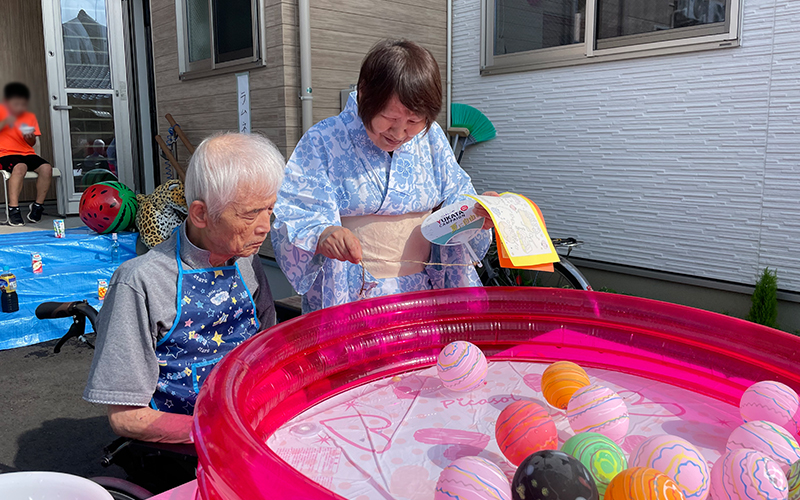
{"x":62,"y":108}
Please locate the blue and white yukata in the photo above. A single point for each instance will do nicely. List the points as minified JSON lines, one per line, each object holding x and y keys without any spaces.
{"x":337,"y":171}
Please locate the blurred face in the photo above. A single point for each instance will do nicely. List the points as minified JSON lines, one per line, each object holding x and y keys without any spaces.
{"x":16,"y":105}
{"x":242,"y":226}
{"x":394,"y":126}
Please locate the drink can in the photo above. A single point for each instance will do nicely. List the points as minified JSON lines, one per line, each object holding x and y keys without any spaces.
{"x":58,"y":228}
{"x":36,"y":263}
{"x":102,"y":288}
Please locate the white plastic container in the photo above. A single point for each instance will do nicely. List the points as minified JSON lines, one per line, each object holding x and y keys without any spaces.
{"x":49,"y":486}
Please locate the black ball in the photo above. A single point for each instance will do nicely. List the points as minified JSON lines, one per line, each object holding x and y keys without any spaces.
{"x":553,"y":475}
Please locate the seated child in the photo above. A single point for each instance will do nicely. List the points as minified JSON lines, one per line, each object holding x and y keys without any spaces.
{"x":18,"y":131}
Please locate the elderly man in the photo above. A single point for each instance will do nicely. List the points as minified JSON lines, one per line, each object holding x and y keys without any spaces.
{"x":171,"y":315}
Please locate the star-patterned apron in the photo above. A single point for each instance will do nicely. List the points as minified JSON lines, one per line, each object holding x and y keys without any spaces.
{"x":215,"y":313}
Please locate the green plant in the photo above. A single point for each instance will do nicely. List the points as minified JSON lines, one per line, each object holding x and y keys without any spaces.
{"x":764,"y":309}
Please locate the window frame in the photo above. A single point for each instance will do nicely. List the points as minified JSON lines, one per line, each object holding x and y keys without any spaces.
{"x":674,"y":41}
{"x":206,"y":67}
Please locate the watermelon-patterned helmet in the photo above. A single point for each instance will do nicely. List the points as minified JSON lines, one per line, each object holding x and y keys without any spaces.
{"x":108,"y":207}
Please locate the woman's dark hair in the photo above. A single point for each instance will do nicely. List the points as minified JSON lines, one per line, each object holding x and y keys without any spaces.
{"x":404,"y":69}
{"x":16,"y":89}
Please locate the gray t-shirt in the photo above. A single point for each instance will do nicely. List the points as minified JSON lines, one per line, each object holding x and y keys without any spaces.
{"x":139,"y":310}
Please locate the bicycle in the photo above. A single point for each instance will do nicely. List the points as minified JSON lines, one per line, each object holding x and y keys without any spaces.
{"x":144,"y":463}
{"x":564,"y":275}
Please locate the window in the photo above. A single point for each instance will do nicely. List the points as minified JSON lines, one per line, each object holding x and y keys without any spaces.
{"x":217,"y":34}
{"x":530,"y":34}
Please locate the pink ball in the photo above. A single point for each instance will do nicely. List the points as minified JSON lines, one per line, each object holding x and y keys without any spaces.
{"x":677,"y":458}
{"x":768,"y":438}
{"x":770,"y":401}
{"x":472,"y":478}
{"x":747,"y":474}
{"x":462,"y":366}
{"x":596,"y":408}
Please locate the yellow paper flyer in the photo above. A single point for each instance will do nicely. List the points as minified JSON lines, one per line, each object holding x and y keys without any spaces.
{"x":519,"y":229}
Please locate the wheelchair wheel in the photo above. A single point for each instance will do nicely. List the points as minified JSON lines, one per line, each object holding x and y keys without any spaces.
{"x":119,"y":489}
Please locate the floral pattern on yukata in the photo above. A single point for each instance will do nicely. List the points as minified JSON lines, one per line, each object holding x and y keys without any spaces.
{"x":336,"y":171}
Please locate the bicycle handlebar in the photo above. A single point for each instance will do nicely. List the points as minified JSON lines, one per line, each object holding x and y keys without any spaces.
{"x":54,"y":310}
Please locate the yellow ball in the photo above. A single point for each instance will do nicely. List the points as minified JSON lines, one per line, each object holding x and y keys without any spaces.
{"x":560,"y":381}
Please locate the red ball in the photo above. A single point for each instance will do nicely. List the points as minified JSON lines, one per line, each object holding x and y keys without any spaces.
{"x":523,"y":428}
{"x":108,"y":207}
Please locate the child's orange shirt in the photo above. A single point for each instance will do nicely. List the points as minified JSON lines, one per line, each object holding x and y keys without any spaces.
{"x":11,"y":140}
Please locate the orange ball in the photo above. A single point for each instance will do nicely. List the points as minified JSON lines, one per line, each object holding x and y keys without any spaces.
{"x":640,"y":483}
{"x":561,"y":380}
{"x":523,"y":428}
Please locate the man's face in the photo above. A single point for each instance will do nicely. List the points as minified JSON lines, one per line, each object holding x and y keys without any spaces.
{"x":242,"y":226}
{"x":16,"y":105}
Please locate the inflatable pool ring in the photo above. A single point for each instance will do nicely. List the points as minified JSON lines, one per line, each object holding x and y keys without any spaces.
{"x":472,"y":478}
{"x":601,"y":456}
{"x":553,"y":475}
{"x":461,"y":366}
{"x":771,"y":401}
{"x":108,"y":207}
{"x":560,"y":381}
{"x":596,"y":408}
{"x":274,"y":377}
{"x":768,"y":438}
{"x":677,"y":458}
{"x":524,"y":427}
{"x":641,"y":483}
{"x":748,"y":474}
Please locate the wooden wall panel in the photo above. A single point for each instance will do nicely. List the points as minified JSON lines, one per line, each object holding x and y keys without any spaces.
{"x":204,"y":106}
{"x":22,"y":59}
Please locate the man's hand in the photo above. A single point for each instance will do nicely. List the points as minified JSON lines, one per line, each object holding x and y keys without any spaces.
{"x":147,"y":424}
{"x":481,"y":212}
{"x":339,"y":243}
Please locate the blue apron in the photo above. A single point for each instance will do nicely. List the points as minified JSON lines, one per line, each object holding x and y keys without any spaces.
{"x":215,"y":314}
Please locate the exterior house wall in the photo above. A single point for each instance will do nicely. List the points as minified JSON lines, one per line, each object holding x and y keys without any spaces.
{"x":208,"y":104}
{"x":22,"y":60}
{"x":687,"y":163}
{"x":343,"y":31}
{"x":341,"y":34}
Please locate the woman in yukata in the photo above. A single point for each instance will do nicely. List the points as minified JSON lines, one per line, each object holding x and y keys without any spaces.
{"x":360,"y":184}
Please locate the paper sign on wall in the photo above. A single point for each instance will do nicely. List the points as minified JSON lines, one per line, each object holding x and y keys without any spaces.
{"x":243,"y":101}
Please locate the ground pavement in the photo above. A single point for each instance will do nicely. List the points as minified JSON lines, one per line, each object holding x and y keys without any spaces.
{"x":44,"y":423}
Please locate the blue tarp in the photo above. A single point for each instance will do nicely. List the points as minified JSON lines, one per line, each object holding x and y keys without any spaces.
{"x":72,"y":266}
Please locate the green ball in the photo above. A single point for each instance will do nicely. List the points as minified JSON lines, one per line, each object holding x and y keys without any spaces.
{"x":600,"y":455}
{"x":794,"y":481}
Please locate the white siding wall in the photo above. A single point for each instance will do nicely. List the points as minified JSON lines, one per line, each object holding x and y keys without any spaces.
{"x":687,"y":163}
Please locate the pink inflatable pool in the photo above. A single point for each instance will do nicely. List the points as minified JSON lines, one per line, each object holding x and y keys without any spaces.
{"x":277,"y":376}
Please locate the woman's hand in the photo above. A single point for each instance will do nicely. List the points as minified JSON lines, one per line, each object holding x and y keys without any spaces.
{"x":339,"y":243}
{"x":481,"y":212}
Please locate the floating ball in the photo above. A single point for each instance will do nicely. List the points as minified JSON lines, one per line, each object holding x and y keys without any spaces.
{"x":596,"y":408}
{"x":768,"y":438}
{"x":770,"y":401}
{"x":600,"y":455}
{"x":560,"y":381}
{"x":641,"y":483}
{"x":678,"y":459}
{"x":794,"y":481}
{"x":108,"y":207}
{"x":747,"y":474}
{"x":462,"y":366}
{"x":524,"y":427}
{"x":553,"y":475}
{"x":472,"y":478}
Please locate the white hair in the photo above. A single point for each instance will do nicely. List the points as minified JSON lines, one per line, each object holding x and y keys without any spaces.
{"x":224,"y":165}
